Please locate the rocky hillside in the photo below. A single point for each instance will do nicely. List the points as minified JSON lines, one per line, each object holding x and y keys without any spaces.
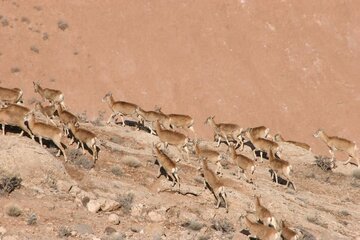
{"x":122,"y":198}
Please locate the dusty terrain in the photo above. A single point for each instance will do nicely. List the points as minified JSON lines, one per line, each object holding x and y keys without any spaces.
{"x":291,"y":66}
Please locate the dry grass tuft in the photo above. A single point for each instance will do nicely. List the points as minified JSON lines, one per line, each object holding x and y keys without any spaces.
{"x":126,"y":201}
{"x":117,"y":171}
{"x":223,"y":225}
{"x":324,"y":163}
{"x":356,"y":173}
{"x":64,"y":231}
{"x":192,"y":225}
{"x":32,"y":219}
{"x":63,"y":25}
{"x":13,"y":211}
{"x":315,"y":220}
{"x":131,"y":162}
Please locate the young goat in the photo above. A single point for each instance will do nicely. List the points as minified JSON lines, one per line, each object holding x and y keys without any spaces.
{"x":211,"y":155}
{"x":335,"y":143}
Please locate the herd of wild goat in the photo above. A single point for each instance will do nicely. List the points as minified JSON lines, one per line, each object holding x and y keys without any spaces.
{"x":61,"y":122}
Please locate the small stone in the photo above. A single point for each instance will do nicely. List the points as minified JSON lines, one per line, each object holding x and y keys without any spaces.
{"x":110,"y":205}
{"x":114,"y":219}
{"x":156,"y":217}
{"x":136,"y":210}
{"x":64,"y":186}
{"x":74,"y":190}
{"x":93,"y":206}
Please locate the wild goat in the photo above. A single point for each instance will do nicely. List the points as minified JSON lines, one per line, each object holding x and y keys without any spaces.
{"x":151,"y":117}
{"x":264,"y":145}
{"x":47,"y":111}
{"x":287,"y":233}
{"x":176,"y":139}
{"x":340,"y":144}
{"x":279,"y":166}
{"x":120,"y":108}
{"x":167,"y":164}
{"x":178,"y":121}
{"x":244,"y":164}
{"x":52,"y":95}
{"x":43,"y":130}
{"x":10,"y":95}
{"x":279,"y":138}
{"x":263,"y":214}
{"x":13,"y":115}
{"x":66,"y":118}
{"x":261,"y":231}
{"x":225,"y":130}
{"x":84,"y":136}
{"x":216,"y":185}
{"x":211,"y":155}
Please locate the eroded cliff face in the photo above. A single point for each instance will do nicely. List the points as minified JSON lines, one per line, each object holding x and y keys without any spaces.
{"x":289,"y":65}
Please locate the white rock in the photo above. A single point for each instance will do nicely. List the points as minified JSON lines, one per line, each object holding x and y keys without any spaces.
{"x":156,"y":217}
{"x":2,"y":231}
{"x":109,"y":205}
{"x":114,"y":219}
{"x":93,"y":206}
{"x":137,"y":209}
{"x":63,"y":186}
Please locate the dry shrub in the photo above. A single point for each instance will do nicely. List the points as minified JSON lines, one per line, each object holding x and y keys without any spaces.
{"x":356,"y":173}
{"x":117,"y":171}
{"x":32,"y":219}
{"x":63,"y":25}
{"x":77,"y":158}
{"x":223,"y":225}
{"x":324,"y":163}
{"x":126,"y":201}
{"x":15,"y":70}
{"x":64,"y":231}
{"x":192,"y":225}
{"x":315,"y":220}
{"x":9,"y":184}
{"x":131,"y":162}
{"x":13,"y":211}
{"x":35,"y":49}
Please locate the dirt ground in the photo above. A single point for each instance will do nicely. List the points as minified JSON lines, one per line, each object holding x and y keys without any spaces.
{"x":289,"y":65}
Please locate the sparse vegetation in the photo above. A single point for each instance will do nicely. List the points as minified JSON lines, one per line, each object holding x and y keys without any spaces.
{"x":77,"y":158}
{"x":315,"y":220}
{"x":223,"y":225}
{"x":117,"y":171}
{"x":32,"y":219}
{"x":193,"y":225}
{"x":35,"y":49}
{"x":344,"y":213}
{"x":4,"y":22}
{"x":206,"y":237}
{"x":15,"y":70}
{"x":126,"y":201}
{"x":9,"y":184}
{"x":25,"y":20}
{"x":83,"y":117}
{"x":45,"y":36}
{"x":99,"y":121}
{"x":13,"y":211}
{"x":356,"y":173}
{"x":62,"y":25}
{"x":64,"y":231}
{"x":38,"y":8}
{"x":324,"y":163}
{"x":131,"y":162}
